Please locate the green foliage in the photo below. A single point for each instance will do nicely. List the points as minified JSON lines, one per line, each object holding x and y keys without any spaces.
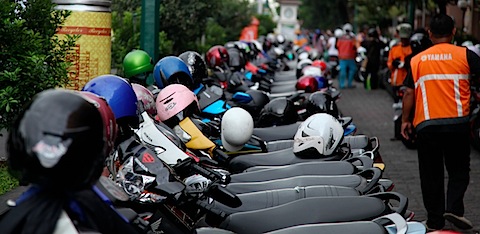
{"x":266,"y":24}
{"x":165,"y":45}
{"x":32,"y":57}
{"x":126,"y":34}
{"x":184,"y":21}
{"x":323,"y":14}
{"x":184,"y":25}
{"x":7,"y":181}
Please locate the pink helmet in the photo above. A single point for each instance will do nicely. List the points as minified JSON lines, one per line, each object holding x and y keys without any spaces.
{"x":109,"y":122}
{"x":176,"y":102}
{"x":146,"y":98}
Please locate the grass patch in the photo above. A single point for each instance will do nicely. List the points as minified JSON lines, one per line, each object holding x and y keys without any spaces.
{"x":7,"y":182}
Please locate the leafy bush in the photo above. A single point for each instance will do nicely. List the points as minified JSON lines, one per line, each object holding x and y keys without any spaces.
{"x":7,"y":182}
{"x":32,"y":58}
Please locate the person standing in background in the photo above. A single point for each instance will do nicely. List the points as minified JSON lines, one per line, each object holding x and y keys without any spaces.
{"x":373,"y":45}
{"x":396,"y":60}
{"x":347,"y":51}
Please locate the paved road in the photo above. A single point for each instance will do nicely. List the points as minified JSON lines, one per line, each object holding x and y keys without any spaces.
{"x":372,"y":113}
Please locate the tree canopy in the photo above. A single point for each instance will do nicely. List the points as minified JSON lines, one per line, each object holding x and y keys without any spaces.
{"x":32,"y":57}
{"x":184,"y":25}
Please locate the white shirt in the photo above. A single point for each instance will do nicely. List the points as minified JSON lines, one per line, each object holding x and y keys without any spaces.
{"x":332,"y":51}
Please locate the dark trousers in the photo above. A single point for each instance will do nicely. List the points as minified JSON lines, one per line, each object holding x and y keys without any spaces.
{"x":372,"y":70}
{"x":436,"y":149}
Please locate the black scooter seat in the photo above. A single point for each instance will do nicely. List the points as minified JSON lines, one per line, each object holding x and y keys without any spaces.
{"x":271,"y":198}
{"x":284,"y":132}
{"x":299,"y":169}
{"x":351,"y":181}
{"x":358,"y":227}
{"x":275,"y":158}
{"x":284,"y":76}
{"x":283,"y":88}
{"x":305,"y":211}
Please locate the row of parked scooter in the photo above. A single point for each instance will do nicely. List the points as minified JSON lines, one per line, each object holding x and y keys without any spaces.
{"x":218,"y":151}
{"x":227,"y":176}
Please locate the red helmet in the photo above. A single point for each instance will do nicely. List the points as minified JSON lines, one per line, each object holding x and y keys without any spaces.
{"x":321,"y":64}
{"x":307,"y":83}
{"x":217,"y":56}
{"x":146,"y":98}
{"x":109,"y":122}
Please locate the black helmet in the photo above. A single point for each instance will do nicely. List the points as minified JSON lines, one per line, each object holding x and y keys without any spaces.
{"x":58,"y":141}
{"x":279,"y":111}
{"x":372,"y":32}
{"x":255,"y":106}
{"x":322,"y":102}
{"x":197,"y":66}
{"x":237,"y":59}
{"x":419,"y":42}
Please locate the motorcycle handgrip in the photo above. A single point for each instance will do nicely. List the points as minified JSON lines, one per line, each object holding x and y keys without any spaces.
{"x":376,"y":175}
{"x":210,"y":174}
{"x":400,"y":198}
{"x":220,"y":156}
{"x":220,"y":214}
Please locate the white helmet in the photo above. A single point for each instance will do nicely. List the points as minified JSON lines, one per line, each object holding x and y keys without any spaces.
{"x":197,"y":183}
{"x":338,"y":33}
{"x":280,"y":39}
{"x":237,"y":128}
{"x":303,"y":63}
{"x":319,"y":134}
{"x":467,"y":43}
{"x":347,"y":27}
{"x":313,"y":55}
{"x":304,"y":55}
{"x":312,"y":71}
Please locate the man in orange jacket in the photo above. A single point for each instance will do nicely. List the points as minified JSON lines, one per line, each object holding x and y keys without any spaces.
{"x":438,"y":89}
{"x":396,"y":59}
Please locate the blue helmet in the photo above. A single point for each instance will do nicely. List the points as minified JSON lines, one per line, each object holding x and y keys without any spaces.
{"x":172,"y":70}
{"x":118,"y":93}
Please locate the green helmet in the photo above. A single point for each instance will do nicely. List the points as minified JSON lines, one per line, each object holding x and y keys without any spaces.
{"x":137,"y":62}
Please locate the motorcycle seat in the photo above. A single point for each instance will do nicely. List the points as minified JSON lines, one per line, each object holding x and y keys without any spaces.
{"x":285,"y":76}
{"x":351,"y":181}
{"x":283,"y":88}
{"x":279,"y":145}
{"x":270,"y":198}
{"x":366,"y":227}
{"x":299,"y":169}
{"x":305,"y":211}
{"x":283,"y":132}
{"x":275,"y":158}
{"x":360,"y":162}
{"x":376,"y":226}
{"x":286,"y":82}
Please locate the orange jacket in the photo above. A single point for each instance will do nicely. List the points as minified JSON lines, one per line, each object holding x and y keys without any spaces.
{"x":442,"y":85}
{"x":398,"y":74}
{"x":346,"y":48}
{"x":249,"y":33}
